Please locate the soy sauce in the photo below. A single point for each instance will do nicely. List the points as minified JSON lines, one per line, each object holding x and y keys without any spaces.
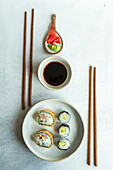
{"x":55,"y":73}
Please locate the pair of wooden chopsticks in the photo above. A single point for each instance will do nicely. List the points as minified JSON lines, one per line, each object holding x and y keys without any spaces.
{"x":24,"y":61}
{"x":90,"y":118}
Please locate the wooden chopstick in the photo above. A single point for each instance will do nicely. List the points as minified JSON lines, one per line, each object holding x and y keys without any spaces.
{"x":90,"y":118}
{"x":95,"y":121}
{"x":24,"y":63}
{"x":31,"y":60}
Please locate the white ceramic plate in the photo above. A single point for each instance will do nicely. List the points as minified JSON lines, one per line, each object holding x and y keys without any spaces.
{"x":30,"y":127}
{"x":43,"y":65}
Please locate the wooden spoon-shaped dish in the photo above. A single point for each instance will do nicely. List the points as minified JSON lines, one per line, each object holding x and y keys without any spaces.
{"x":58,"y":35}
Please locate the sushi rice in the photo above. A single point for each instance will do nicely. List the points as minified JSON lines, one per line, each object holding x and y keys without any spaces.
{"x":64,"y":130}
{"x":64,"y":117}
{"x":46,"y":118}
{"x":63,"y":144}
{"x":48,"y":121}
{"x":44,"y":138}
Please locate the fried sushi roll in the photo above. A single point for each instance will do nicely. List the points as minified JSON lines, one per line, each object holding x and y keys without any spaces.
{"x":46,"y":118}
{"x":64,"y":144}
{"x":44,"y":138}
{"x":64,"y":117}
{"x":64,"y":130}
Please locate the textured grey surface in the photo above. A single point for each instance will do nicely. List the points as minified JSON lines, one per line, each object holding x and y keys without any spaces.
{"x":87,"y":30}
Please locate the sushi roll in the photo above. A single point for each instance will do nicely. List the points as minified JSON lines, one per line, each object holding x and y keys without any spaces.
{"x":64,"y":117}
{"x":64,"y":130}
{"x":44,"y":138}
{"x":64,"y":144}
{"x":46,"y":118}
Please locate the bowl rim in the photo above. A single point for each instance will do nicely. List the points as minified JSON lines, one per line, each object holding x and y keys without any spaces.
{"x":51,"y":87}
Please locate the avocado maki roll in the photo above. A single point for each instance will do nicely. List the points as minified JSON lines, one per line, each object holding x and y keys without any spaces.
{"x":64,"y":130}
{"x":64,"y":144}
{"x":64,"y":117}
{"x":46,"y":118}
{"x":44,"y":138}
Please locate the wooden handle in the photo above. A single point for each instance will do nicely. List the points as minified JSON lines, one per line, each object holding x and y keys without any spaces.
{"x":95,"y":121}
{"x":54,"y":20}
{"x":24,"y":63}
{"x":90,"y":118}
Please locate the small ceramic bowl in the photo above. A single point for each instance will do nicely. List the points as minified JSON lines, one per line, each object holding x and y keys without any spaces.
{"x":44,"y":63}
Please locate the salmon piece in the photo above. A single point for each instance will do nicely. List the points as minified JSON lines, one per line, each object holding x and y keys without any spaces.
{"x":43,"y":117}
{"x":40,"y":140}
{"x":44,"y":137}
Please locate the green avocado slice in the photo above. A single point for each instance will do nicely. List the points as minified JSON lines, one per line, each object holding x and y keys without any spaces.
{"x":54,"y":47}
{"x":63,"y":130}
{"x":62,"y":143}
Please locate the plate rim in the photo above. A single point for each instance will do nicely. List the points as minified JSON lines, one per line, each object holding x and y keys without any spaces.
{"x":56,"y":99}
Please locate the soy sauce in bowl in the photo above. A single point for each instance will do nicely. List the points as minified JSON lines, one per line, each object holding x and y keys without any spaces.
{"x":55,"y":73}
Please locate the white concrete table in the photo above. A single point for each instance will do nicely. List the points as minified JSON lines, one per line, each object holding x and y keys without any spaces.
{"x":87,"y":30}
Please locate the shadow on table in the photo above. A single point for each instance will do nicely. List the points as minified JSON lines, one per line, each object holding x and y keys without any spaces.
{"x":18,"y":125}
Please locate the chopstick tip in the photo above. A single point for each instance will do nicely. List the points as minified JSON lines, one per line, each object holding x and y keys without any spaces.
{"x":94,"y":69}
{"x":96,"y":164}
{"x":23,"y":108}
{"x":91,"y":68}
